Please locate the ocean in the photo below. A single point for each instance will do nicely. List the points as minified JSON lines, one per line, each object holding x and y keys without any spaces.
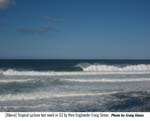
{"x":75,"y":85}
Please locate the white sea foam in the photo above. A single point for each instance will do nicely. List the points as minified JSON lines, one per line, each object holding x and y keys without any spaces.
{"x":5,"y":81}
{"x":87,"y":71}
{"x":112,"y":68}
{"x":108,"y":80}
{"x":47,"y":95}
{"x":88,"y":80}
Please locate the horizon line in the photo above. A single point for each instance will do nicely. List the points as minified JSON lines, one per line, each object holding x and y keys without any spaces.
{"x":72,"y":59}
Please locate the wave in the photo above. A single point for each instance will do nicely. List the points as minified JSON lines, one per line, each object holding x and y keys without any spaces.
{"x":47,"y":95}
{"x":54,"y":81}
{"x":109,"y":80}
{"x":112,"y":68}
{"x":6,"y":81}
{"x":87,"y":71}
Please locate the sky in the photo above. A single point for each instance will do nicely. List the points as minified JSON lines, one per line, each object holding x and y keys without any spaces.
{"x":74,"y":29}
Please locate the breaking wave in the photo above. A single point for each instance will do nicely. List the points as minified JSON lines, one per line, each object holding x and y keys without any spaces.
{"x":88,"y":69}
{"x":109,"y":80}
{"x":112,"y":68}
{"x":47,"y":95}
{"x":65,"y":80}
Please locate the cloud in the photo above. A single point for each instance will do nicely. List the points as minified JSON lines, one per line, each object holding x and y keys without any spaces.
{"x":4,"y":4}
{"x":38,"y":30}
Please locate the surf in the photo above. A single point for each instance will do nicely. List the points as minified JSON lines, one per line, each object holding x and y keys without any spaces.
{"x":92,"y":70}
{"x":47,"y":95}
{"x":114,"y":68}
